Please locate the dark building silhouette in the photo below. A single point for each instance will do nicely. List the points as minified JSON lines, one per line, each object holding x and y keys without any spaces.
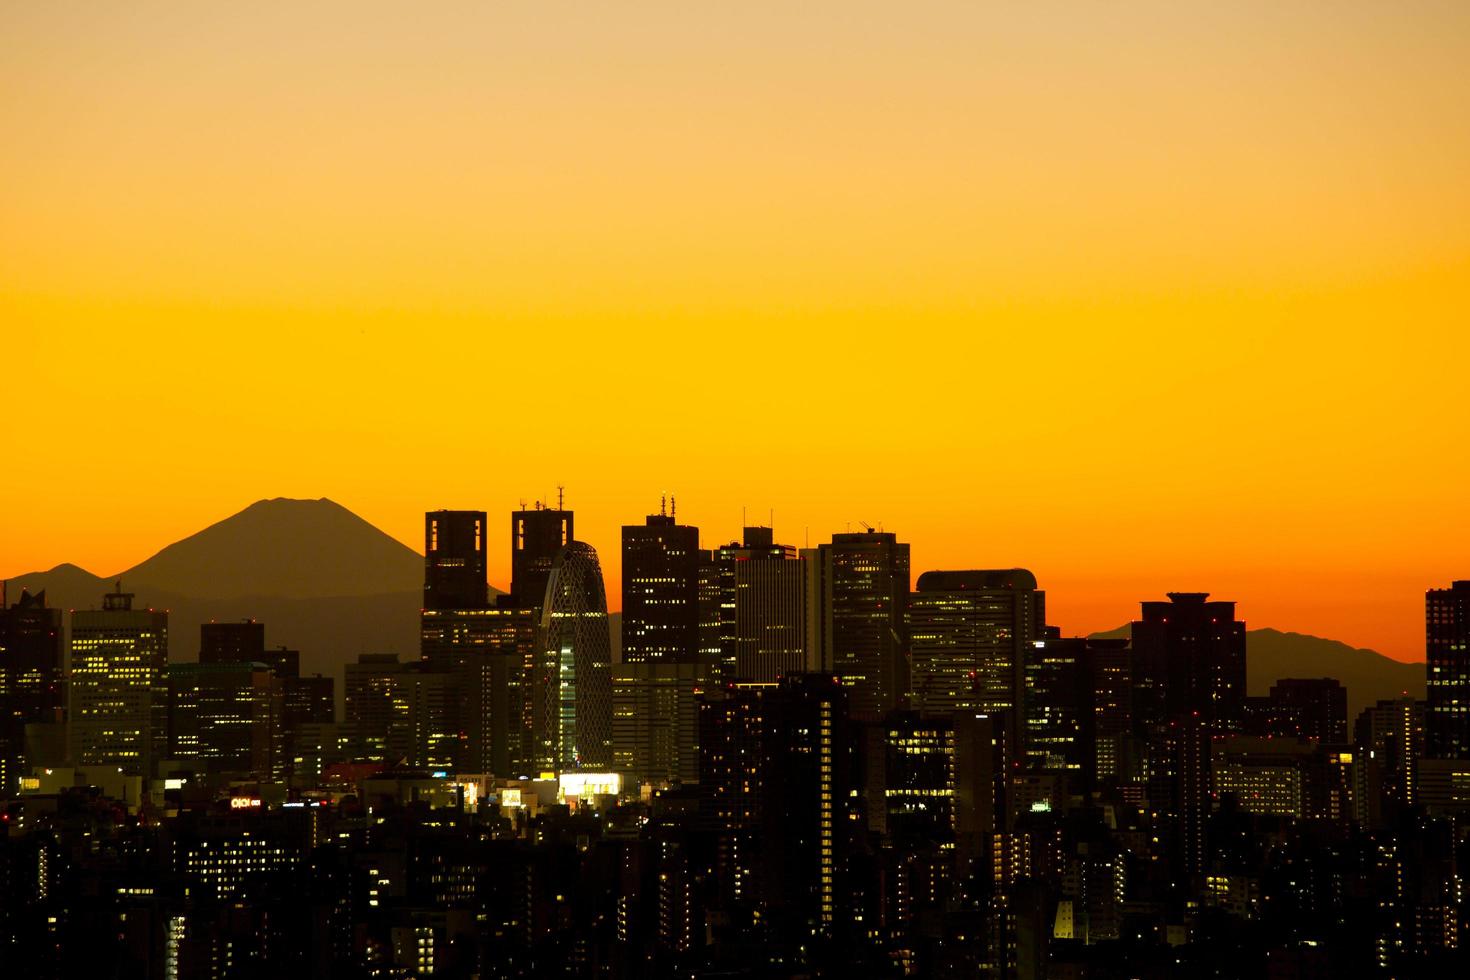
{"x":454,"y":560}
{"x":232,"y":643}
{"x":661,"y":560}
{"x":1300,"y":707}
{"x":1076,"y":707}
{"x":1447,"y":667}
{"x":32,"y":679}
{"x":858,"y":587}
{"x":1189,"y":657}
{"x":536,"y":536}
{"x":572,"y":680}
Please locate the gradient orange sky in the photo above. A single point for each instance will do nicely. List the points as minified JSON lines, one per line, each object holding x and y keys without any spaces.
{"x":1142,"y":296}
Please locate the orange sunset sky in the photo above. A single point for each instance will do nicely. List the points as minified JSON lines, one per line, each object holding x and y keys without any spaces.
{"x":1142,"y":296}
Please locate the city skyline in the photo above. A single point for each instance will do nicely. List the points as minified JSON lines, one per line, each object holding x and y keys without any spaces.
{"x":1162,"y":297}
{"x":1081,"y":621}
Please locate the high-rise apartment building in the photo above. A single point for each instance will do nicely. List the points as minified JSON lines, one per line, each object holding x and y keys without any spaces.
{"x":777,"y":771}
{"x":661,"y":560}
{"x":1447,"y":670}
{"x":858,"y":587}
{"x":970,"y":634}
{"x":32,"y":679}
{"x":1189,"y":658}
{"x":454,"y":560}
{"x":119,"y":686}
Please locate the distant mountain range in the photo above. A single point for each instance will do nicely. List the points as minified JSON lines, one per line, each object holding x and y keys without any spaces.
{"x":329,"y":584}
{"x":1368,"y":675}
{"x":322,"y":579}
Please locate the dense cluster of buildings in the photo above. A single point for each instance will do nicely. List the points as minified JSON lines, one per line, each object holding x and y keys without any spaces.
{"x":793,"y":762}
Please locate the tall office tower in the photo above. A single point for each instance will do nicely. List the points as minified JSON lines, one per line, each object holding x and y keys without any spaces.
{"x":454,"y":560}
{"x":983,"y":763}
{"x":858,"y":591}
{"x":715,"y":600}
{"x":240,"y":642}
{"x":1189,"y":658}
{"x":375,"y":707}
{"x":536,"y":536}
{"x":770,"y":613}
{"x":734,"y":591}
{"x":660,"y":591}
{"x":32,"y":679}
{"x":228,"y":716}
{"x":655,"y":722}
{"x":572,"y":688}
{"x":119,"y":689}
{"x":970,"y":633}
{"x":490,"y":651}
{"x":1447,"y":670}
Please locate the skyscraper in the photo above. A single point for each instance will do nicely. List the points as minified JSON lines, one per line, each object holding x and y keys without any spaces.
{"x":1189,"y":657}
{"x":536,"y":536}
{"x":770,"y":613}
{"x":119,"y":689}
{"x":753,"y":609}
{"x":454,"y":560}
{"x":572,"y":687}
{"x":661,"y":561}
{"x":970,"y":633}
{"x":32,"y":685}
{"x":228,"y":716}
{"x":1447,"y":668}
{"x":490,"y":652}
{"x":858,"y":593}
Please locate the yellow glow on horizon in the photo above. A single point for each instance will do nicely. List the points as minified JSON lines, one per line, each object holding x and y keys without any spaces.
{"x":1142,"y":297}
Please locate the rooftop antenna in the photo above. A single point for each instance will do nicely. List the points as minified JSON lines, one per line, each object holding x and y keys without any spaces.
{"x":560,"y":491}
{"x":663,"y":510}
{"x":671,"y":506}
